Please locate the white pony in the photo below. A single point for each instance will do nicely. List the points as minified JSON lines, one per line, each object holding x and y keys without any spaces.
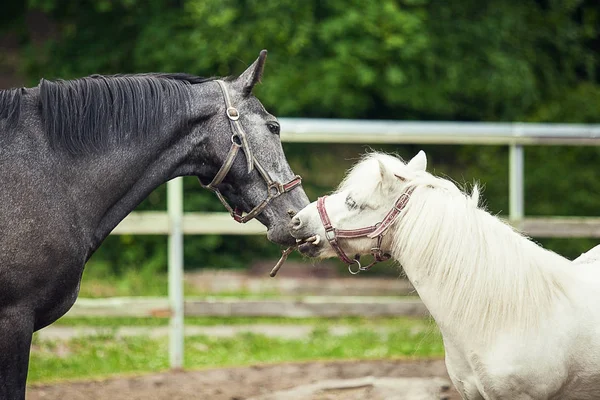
{"x":518,"y":321}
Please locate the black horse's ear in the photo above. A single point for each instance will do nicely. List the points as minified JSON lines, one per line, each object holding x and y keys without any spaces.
{"x":251,"y":76}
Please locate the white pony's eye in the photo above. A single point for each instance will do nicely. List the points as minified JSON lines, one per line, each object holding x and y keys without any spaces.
{"x":350,"y":203}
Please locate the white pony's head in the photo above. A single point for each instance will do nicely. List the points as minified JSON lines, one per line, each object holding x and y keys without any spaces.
{"x":363,"y":199}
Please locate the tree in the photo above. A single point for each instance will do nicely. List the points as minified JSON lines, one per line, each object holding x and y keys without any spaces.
{"x":392,"y":59}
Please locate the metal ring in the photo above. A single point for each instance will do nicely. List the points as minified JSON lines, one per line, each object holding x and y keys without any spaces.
{"x":236,"y":136}
{"x":358,"y":270}
{"x":233,"y":114}
{"x":277,"y":190}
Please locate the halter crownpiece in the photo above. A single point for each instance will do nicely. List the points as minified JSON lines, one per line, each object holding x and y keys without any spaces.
{"x":373,"y":232}
{"x":239,"y":141}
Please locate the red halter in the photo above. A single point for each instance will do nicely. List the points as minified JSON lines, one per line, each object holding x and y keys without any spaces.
{"x":374,"y":232}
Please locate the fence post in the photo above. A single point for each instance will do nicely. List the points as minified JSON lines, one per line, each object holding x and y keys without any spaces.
{"x":516,"y":192}
{"x":175,"y":211}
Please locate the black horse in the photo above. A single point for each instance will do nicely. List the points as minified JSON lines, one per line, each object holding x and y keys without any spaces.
{"x":77,"y":156}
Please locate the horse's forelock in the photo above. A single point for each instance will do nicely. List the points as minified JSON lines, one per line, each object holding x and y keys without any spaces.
{"x":364,"y":176}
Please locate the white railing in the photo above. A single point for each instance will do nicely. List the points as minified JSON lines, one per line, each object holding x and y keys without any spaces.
{"x":175,"y":223}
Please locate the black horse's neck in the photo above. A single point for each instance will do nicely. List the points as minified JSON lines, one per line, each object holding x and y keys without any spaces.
{"x":115,"y":183}
{"x":107,"y":142}
{"x":111,"y":184}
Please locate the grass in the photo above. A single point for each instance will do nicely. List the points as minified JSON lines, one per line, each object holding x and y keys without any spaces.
{"x":130,"y":284}
{"x":136,"y":284}
{"x":133,"y":285}
{"x":104,"y":355}
{"x":99,"y":280}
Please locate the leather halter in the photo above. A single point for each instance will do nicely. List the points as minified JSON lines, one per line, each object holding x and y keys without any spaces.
{"x":373,"y":232}
{"x":239,"y":141}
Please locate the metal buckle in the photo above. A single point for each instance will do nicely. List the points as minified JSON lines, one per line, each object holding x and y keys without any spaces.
{"x":233,"y":114}
{"x":404,"y":195}
{"x":360,"y":268}
{"x":278,"y":189}
{"x":379,"y":255}
{"x":330,"y":234}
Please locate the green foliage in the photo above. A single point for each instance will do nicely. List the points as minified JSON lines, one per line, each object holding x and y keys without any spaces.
{"x":413,"y":59}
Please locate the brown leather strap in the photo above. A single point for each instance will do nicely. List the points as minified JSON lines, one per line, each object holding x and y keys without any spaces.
{"x":330,"y":232}
{"x":239,"y":140}
{"x":224,"y":170}
{"x":323,"y":213}
{"x":297,"y":181}
{"x":355,"y":233}
{"x":393,"y":213}
{"x":234,"y":115}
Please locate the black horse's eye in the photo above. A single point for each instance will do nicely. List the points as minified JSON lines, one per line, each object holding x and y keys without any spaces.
{"x":274,"y":127}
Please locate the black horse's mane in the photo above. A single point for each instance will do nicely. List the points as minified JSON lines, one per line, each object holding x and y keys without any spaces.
{"x":88,"y":114}
{"x":10,"y":105}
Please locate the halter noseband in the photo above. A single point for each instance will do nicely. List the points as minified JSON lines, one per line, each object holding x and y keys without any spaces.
{"x":373,"y":232}
{"x":239,"y":141}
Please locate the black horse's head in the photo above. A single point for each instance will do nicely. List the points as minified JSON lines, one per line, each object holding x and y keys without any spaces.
{"x":243,"y":158}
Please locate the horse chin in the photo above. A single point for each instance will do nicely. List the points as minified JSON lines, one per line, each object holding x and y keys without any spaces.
{"x":310,"y":250}
{"x":279,"y":234}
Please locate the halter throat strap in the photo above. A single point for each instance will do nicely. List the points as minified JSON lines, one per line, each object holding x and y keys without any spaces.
{"x":239,"y":141}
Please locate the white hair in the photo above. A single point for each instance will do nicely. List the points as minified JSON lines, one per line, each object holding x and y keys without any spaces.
{"x":517,"y":320}
{"x":487,"y":275}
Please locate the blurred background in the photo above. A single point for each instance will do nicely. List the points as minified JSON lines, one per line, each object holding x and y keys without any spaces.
{"x":423,"y":60}
{"x":532,"y":61}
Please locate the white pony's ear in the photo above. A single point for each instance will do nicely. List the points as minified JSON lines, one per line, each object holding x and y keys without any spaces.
{"x":418,"y":162}
{"x":387,"y":177}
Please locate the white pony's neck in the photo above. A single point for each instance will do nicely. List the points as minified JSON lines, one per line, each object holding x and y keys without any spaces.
{"x":474,"y":272}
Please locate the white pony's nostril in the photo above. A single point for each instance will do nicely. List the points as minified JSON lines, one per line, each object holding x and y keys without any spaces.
{"x":296,"y":223}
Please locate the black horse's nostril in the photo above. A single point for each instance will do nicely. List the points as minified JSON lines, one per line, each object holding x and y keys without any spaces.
{"x":296,"y":223}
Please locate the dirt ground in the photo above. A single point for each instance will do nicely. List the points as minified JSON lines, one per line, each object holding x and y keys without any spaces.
{"x":247,"y":382}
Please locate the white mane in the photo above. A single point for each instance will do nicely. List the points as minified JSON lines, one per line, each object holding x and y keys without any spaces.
{"x":487,"y":275}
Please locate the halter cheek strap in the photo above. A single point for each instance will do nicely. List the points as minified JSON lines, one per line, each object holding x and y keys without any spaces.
{"x":376,"y":231}
{"x":332,"y":234}
{"x":239,"y":141}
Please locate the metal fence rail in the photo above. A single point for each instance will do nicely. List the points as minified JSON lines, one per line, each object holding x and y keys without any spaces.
{"x":516,"y":135}
{"x":304,"y":307}
{"x":218,"y":223}
{"x":397,"y":132}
